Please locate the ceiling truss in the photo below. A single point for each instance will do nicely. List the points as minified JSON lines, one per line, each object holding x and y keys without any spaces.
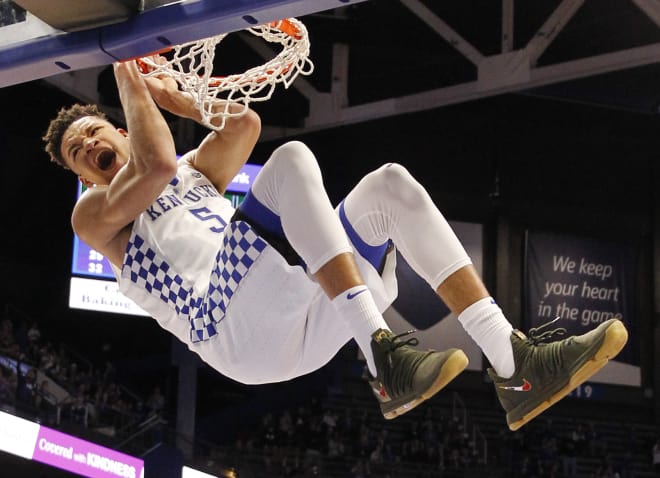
{"x":508,"y":71}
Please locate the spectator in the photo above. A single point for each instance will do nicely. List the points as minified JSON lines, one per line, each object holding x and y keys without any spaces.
{"x":626,"y":463}
{"x":48,"y":360}
{"x":656,"y":456}
{"x":285,"y":428}
{"x":505,"y":448}
{"x":314,"y":441}
{"x":46,"y":402}
{"x":595,"y":442}
{"x":10,"y":13}
{"x":8,"y":345}
{"x":75,"y":410}
{"x":156,"y":402}
{"x":454,"y":459}
{"x":360,"y":469}
{"x":26,"y":389}
{"x":330,"y":420}
{"x":569,"y":451}
{"x":336,"y":447}
{"x":376,"y":455}
{"x":33,"y":333}
{"x":579,"y":436}
{"x":428,"y":428}
{"x":7,"y":386}
{"x":526,"y":469}
{"x":607,"y":471}
{"x":300,"y":426}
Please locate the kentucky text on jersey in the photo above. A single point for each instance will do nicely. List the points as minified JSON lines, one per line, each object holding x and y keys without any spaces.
{"x":165,"y":202}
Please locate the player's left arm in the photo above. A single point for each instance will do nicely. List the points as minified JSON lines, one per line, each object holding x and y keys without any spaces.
{"x":221,"y":154}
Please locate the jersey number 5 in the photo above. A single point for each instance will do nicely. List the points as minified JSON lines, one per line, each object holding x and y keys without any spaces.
{"x":205,"y":214}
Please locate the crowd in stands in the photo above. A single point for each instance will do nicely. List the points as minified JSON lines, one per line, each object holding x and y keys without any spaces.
{"x":540,"y":450}
{"x":304,"y":443}
{"x":354,"y":443}
{"x":315,"y":440}
{"x":45,"y":381}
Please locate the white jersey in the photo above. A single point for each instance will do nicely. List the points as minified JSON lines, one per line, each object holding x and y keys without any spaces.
{"x":189,"y":207}
{"x":226,"y":293}
{"x":185,"y":262}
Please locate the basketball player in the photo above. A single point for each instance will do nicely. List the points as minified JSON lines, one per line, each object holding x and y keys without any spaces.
{"x":274,"y":289}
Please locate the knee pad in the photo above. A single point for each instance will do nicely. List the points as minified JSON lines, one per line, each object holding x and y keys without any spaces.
{"x":294,"y":158}
{"x":400,"y":185}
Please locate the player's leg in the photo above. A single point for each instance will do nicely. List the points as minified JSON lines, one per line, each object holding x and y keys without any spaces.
{"x":289,"y":198}
{"x":390,"y":204}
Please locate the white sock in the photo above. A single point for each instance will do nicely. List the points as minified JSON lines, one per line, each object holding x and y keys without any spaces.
{"x":488,"y":327}
{"x":358,"y":308}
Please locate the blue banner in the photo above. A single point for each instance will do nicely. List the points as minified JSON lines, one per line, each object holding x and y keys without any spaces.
{"x":585,"y":282}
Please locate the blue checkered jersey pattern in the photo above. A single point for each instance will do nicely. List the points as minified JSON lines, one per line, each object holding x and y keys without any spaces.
{"x":241,"y":247}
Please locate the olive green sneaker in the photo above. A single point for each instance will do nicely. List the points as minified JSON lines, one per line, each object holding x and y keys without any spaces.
{"x":405,"y":376}
{"x":547,"y":372}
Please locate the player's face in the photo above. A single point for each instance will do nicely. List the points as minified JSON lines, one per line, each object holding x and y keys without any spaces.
{"x":95,"y":150}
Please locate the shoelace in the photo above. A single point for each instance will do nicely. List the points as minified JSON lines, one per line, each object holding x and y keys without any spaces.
{"x":396,"y":343}
{"x":536,"y":336}
{"x":400,"y":378}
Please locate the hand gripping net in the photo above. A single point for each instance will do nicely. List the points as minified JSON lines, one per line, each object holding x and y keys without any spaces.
{"x":191,"y":65}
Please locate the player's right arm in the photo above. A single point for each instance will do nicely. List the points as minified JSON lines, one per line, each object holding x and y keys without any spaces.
{"x":221,"y":154}
{"x":104,"y":211}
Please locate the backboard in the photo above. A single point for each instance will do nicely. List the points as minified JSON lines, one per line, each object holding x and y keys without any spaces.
{"x":38,"y":41}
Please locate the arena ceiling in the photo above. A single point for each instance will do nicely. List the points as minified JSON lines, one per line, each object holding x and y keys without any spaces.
{"x":398,"y":57}
{"x":381,"y":58}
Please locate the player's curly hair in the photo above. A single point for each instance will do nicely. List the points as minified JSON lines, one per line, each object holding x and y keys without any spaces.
{"x":57,"y":127}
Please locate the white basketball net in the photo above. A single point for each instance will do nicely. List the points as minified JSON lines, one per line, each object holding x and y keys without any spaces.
{"x":191,"y":65}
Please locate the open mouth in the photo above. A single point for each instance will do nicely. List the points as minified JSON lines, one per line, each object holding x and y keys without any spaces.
{"x":105,"y":159}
